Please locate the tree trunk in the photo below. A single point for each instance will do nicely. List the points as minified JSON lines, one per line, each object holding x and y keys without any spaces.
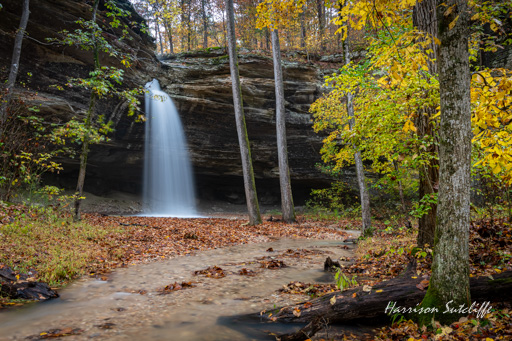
{"x":302,"y":30}
{"x":321,"y":22}
{"x":450,"y":267}
{"x":402,"y":197}
{"x":168,"y":29}
{"x":428,"y":183}
{"x":243,"y":139}
{"x":88,"y":123}
{"x":189,"y":33}
{"x":15,"y":64}
{"x":183,"y":24}
{"x":224,"y":30}
{"x":424,"y":18}
{"x":361,"y":181}
{"x":282,"y":149}
{"x":267,"y":37}
{"x":205,"y":24}
{"x":159,"y":37}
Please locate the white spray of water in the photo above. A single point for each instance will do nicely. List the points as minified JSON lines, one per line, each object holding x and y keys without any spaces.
{"x":168,"y":178}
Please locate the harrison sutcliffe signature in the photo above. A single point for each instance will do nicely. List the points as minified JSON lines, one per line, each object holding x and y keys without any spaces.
{"x":482,"y":310}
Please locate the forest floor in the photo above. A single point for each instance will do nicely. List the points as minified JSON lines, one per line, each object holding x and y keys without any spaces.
{"x":387,"y":254}
{"x":48,"y":246}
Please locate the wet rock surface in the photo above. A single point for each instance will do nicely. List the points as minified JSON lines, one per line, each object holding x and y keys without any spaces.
{"x":22,"y":286}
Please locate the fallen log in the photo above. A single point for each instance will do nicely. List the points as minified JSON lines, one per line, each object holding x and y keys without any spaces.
{"x":398,"y":295}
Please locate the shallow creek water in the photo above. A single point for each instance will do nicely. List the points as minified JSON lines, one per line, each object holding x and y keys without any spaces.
{"x":115,"y":310}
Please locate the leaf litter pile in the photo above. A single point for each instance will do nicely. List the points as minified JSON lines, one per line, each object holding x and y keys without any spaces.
{"x":212,"y":272}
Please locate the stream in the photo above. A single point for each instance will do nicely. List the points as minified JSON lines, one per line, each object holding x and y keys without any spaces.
{"x":128,"y":306}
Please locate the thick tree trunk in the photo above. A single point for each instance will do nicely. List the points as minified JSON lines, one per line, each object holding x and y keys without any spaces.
{"x":88,"y":124}
{"x":424,"y":18}
{"x":377,"y":306}
{"x":450,"y":267}
{"x":361,"y":181}
{"x":205,"y":24}
{"x":15,"y":64}
{"x":243,"y":139}
{"x":282,"y":149}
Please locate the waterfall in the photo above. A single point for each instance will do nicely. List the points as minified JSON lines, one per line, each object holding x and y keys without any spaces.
{"x":168,"y":178}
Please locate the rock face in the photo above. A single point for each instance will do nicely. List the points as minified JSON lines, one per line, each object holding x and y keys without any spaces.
{"x":199,"y":84}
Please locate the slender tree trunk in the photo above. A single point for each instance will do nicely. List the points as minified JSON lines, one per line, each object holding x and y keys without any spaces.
{"x":424,"y":18}
{"x":88,"y":123}
{"x":243,"y":139}
{"x":83,"y":159}
{"x":361,"y":181}
{"x":267,"y":37}
{"x":183,"y":24}
{"x":450,"y":267}
{"x":302,"y":30}
{"x":205,"y":24}
{"x":15,"y":64}
{"x":282,"y":149}
{"x":321,"y":22}
{"x":402,"y":197}
{"x":189,"y":33}
{"x":168,"y":29}
{"x":224,"y":30}
{"x":159,"y":36}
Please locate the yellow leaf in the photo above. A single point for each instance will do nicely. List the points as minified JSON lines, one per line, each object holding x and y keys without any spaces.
{"x":496,"y":169}
{"x":333,"y":300}
{"x":380,"y":290}
{"x":452,"y":24}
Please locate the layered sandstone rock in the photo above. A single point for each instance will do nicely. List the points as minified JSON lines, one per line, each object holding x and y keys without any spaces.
{"x":200,"y":85}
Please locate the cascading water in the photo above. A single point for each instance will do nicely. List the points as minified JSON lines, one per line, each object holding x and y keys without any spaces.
{"x":168,"y":179}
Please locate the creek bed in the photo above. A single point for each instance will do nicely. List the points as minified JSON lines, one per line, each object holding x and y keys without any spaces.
{"x":128,"y":305}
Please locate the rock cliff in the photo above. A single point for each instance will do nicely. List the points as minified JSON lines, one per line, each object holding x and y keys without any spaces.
{"x":200,"y":85}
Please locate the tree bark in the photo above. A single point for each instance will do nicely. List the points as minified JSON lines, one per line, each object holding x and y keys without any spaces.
{"x":321,"y":22}
{"x":282,"y":149}
{"x":243,"y":139}
{"x":15,"y":64}
{"x":184,"y":24}
{"x":302,"y":30}
{"x":450,"y":267}
{"x":168,"y":29}
{"x":424,"y":18}
{"x":361,"y":181}
{"x":159,"y":37}
{"x":205,"y":24}
{"x":88,"y":124}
